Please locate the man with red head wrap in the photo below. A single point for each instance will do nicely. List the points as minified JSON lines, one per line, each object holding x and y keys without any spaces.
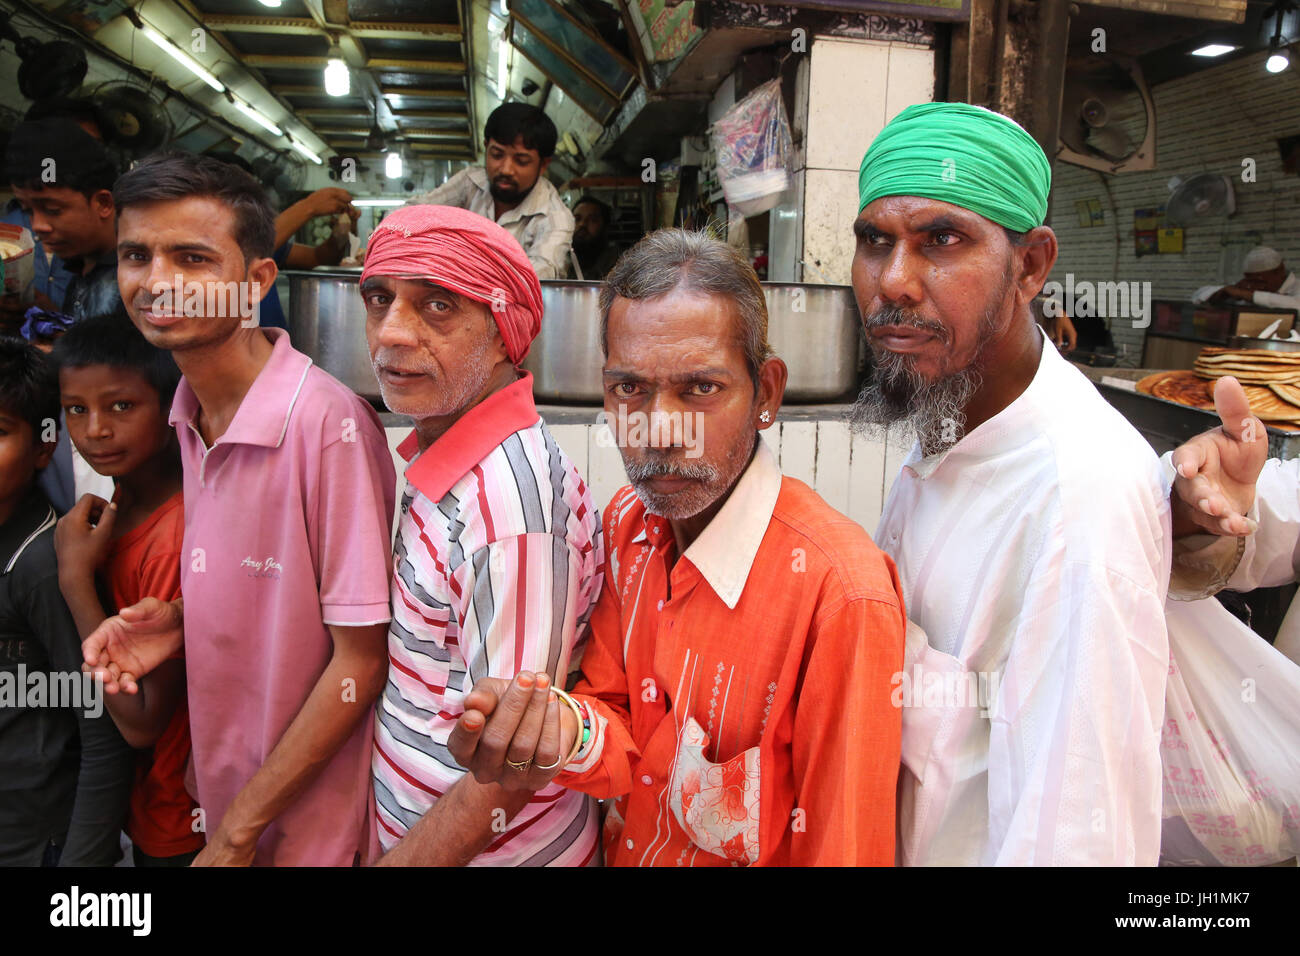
{"x":498,"y":556}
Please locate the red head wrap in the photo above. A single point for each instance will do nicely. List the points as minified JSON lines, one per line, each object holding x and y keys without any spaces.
{"x":468,"y":254}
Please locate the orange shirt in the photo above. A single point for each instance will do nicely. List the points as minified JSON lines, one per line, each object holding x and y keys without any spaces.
{"x":742,"y":699}
{"x":146,"y":562}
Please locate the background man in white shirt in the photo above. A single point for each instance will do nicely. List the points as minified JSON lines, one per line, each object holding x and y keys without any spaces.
{"x":1029,"y":525}
{"x":1267,"y":282}
{"x":511,"y":187}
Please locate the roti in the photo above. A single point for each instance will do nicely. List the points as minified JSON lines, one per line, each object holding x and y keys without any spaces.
{"x":1249,"y":373}
{"x":1269,"y":406}
{"x":1250,"y":366}
{"x":1214,"y":353}
{"x":1181,"y":386}
{"x":1290,"y":393}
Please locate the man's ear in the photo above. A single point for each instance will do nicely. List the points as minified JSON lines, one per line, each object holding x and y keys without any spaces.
{"x":1036,"y":257}
{"x":101,"y":204}
{"x":542,"y":166}
{"x":263,"y":272}
{"x":45,"y":453}
{"x":772,"y":376}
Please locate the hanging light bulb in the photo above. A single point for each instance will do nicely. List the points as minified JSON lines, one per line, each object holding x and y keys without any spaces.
{"x":338,"y":81}
{"x":1278,"y":59}
{"x":393,"y":165}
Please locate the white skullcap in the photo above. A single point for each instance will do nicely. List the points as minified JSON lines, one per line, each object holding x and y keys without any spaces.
{"x":1261,"y":259}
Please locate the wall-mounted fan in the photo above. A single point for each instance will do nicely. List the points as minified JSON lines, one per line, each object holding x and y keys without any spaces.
{"x":52,"y":68}
{"x":1199,"y":197}
{"x":1108,"y":119}
{"x":131,"y":118}
{"x":281,"y":174}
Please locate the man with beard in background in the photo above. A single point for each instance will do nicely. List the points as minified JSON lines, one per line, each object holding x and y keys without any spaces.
{"x":1029,"y":524}
{"x":511,"y":187}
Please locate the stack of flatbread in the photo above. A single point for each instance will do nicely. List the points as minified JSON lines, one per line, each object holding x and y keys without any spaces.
{"x":1271,"y":381}
{"x":1249,"y":366}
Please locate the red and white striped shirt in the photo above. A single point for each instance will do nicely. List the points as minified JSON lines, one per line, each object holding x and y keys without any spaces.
{"x":496,"y":566}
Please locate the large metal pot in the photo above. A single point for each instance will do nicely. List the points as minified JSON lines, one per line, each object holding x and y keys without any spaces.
{"x":814,"y":328}
{"x":328,"y":322}
{"x":565,"y":358}
{"x":817,"y":330}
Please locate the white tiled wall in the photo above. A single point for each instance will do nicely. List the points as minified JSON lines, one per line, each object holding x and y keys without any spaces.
{"x":852,"y":472}
{"x":854,"y":88}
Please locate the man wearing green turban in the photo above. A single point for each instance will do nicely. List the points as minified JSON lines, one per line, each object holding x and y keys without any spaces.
{"x":1035,"y":580}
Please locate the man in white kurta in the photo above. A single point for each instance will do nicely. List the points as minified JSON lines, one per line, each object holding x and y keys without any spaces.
{"x":1030,"y":524}
{"x":1035,"y":551}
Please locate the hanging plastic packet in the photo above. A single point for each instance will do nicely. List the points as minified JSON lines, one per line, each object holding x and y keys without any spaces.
{"x":752,"y":143}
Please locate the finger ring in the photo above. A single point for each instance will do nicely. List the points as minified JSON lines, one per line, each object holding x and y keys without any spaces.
{"x":549,"y":766}
{"x":521,"y":766}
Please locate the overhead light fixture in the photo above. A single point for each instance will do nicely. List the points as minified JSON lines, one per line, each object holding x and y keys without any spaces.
{"x":1278,"y":58}
{"x":183,"y":58}
{"x":379,"y":202}
{"x":271,"y":3}
{"x":338,"y":81}
{"x":503,"y":67}
{"x":393,"y":164}
{"x":304,"y":150}
{"x":1214,"y":49}
{"x":256,"y":116}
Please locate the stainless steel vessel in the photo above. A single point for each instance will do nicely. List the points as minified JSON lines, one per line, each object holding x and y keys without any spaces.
{"x":818,"y":331}
{"x":565,"y":358}
{"x":328,"y":322}
{"x":1271,"y":345}
{"x":814,"y":328}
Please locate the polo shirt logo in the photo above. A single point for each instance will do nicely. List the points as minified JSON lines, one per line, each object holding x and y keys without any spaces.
{"x":266,"y":568}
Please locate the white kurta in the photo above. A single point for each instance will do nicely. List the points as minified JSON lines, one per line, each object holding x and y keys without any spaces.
{"x":1035,"y":555}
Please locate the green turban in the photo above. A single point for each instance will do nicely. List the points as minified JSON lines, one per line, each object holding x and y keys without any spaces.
{"x":960,"y":154}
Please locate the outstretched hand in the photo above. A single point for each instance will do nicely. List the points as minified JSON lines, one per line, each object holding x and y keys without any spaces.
{"x":517,"y":722}
{"x":131,"y":643}
{"x":1218,"y":469}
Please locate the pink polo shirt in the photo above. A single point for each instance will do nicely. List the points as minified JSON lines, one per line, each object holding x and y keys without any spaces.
{"x":287,"y":529}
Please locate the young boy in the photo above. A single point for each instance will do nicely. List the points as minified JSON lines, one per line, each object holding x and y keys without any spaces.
{"x":65,"y":772}
{"x":116,"y":391}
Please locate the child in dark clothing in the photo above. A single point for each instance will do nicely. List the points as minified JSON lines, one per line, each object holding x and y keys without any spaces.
{"x":116,"y":391}
{"x":65,"y":772}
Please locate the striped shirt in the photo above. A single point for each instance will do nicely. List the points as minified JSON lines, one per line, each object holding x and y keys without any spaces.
{"x":496,"y":566}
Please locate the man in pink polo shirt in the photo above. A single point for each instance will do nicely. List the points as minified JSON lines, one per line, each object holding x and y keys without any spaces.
{"x":289,"y":492}
{"x":498,"y":557}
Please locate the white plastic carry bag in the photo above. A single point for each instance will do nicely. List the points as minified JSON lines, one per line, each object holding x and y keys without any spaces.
{"x":1231,"y":743}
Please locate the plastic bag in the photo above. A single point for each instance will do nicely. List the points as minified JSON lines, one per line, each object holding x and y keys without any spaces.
{"x":1230,"y":744}
{"x":19,"y":262}
{"x":752,"y":143}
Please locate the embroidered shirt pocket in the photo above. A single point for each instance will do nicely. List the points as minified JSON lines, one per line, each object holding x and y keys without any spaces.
{"x":716,"y":803}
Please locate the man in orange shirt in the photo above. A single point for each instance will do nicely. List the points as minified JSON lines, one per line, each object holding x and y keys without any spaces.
{"x":734,"y":703}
